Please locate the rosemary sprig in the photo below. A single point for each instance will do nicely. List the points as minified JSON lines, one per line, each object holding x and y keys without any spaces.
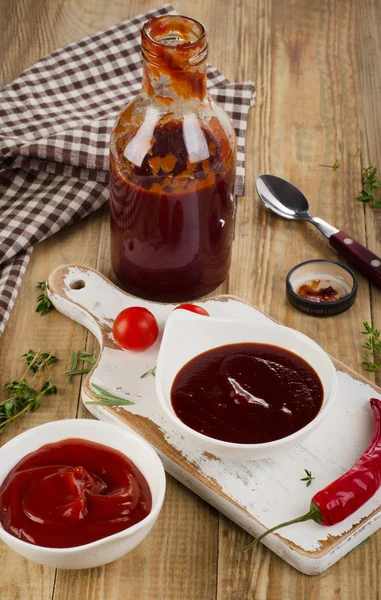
{"x":370,"y":182}
{"x":23,"y":396}
{"x":373,"y":344}
{"x":149,"y":372}
{"x":108,"y":399}
{"x":111,"y":402}
{"x":44,"y":305}
{"x":308,"y":479}
{"x":88,"y":361}
{"x":39,"y":361}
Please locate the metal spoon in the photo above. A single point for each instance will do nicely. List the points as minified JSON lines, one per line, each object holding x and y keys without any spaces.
{"x":287,"y":201}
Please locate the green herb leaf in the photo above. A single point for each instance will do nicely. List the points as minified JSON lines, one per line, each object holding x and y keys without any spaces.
{"x":308,"y":479}
{"x":373,"y":344}
{"x":369,"y":177}
{"x":370,"y":182}
{"x":39,"y":361}
{"x":108,"y":399}
{"x":44,"y":305}
{"x":74,"y":360}
{"x":23,"y":397}
{"x":150,"y":372}
{"x":336,"y":165}
{"x":87,"y":358}
{"x":109,"y":402}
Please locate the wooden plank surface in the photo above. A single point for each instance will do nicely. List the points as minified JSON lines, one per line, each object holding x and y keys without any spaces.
{"x":317,"y":68}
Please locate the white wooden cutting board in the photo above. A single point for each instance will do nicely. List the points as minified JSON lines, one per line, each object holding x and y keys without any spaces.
{"x":254,"y":494}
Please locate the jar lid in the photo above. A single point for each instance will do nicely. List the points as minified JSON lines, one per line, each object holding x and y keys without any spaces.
{"x":321,"y":288}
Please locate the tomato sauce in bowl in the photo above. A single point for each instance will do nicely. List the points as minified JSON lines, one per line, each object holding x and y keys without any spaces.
{"x":247,"y":393}
{"x":71,"y":493}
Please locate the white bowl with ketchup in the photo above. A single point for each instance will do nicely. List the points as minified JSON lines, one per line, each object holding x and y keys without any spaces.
{"x":236,"y":404}
{"x":112,"y":437}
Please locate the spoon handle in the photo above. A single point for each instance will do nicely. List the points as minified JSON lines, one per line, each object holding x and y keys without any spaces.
{"x":358,"y":254}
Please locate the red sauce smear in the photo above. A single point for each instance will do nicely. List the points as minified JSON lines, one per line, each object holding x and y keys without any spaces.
{"x":247,"y":393}
{"x":312,"y":292}
{"x":72,"y":493}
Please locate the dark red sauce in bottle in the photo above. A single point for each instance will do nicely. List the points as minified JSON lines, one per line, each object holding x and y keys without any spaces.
{"x":172,"y":172}
{"x":171,"y":238}
{"x":72,"y":493}
{"x":247,"y":393}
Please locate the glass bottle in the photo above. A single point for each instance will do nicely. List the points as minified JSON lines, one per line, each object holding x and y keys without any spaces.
{"x":172,"y":172}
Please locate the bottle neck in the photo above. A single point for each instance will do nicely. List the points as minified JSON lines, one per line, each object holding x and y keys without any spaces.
{"x":174,"y":59}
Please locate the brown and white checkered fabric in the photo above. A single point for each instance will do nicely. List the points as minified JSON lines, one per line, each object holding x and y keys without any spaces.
{"x":55,"y":124}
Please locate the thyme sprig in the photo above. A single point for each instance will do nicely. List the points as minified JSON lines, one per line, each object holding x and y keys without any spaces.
{"x":370,"y":182}
{"x":87,"y":359}
{"x":108,"y":399}
{"x":23,"y":397}
{"x":335,"y":167}
{"x":149,"y":372}
{"x":39,"y":361}
{"x":308,"y":479}
{"x":373,"y":344}
{"x":44,"y":305}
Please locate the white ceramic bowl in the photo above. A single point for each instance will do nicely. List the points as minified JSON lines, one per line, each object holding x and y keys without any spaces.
{"x":114,"y":546}
{"x":186,"y":335}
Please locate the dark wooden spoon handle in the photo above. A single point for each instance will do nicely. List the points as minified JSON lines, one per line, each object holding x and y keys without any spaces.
{"x":356,"y":253}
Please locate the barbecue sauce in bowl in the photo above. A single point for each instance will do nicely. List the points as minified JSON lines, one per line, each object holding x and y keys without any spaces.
{"x":247,"y":393}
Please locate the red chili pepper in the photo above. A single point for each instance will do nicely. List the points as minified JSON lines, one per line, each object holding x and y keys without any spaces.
{"x":345,"y":495}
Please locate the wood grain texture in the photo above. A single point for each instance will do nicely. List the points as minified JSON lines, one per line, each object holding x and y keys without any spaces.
{"x":318,"y":73}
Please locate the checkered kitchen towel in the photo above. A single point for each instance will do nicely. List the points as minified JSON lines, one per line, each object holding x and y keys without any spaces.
{"x":55,"y":124}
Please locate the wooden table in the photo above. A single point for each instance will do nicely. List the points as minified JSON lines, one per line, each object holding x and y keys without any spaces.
{"x":317,"y":68}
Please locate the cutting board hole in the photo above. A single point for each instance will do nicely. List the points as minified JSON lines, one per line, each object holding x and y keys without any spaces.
{"x":77,"y":285}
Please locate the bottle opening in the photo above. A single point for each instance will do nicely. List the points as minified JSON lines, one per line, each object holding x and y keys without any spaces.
{"x":173,"y":31}
{"x":174,"y":39}
{"x":174,"y":48}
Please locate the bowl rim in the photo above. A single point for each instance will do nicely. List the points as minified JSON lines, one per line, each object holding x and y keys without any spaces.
{"x":224,"y":445}
{"x":152,"y":515}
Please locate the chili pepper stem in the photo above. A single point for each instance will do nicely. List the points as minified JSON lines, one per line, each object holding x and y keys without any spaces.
{"x":313,"y":514}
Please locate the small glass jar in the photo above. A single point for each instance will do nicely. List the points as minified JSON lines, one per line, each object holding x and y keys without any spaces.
{"x":173,"y":156}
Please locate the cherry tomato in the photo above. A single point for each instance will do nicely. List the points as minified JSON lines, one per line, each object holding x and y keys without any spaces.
{"x":135,"y":328}
{"x":194,"y":308}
